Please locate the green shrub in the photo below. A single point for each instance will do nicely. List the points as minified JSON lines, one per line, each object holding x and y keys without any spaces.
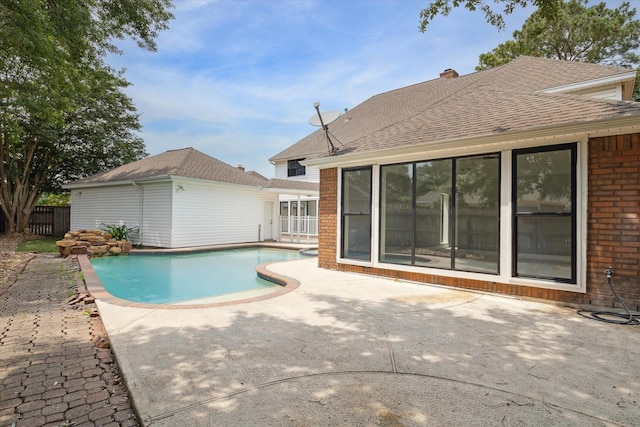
{"x":119,"y":232}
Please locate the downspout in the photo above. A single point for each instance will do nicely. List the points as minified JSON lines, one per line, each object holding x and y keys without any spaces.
{"x":140,"y":214}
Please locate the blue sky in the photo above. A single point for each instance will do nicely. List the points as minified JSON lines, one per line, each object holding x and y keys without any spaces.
{"x":237,"y":79}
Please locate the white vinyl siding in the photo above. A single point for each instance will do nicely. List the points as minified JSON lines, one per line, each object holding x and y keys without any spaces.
{"x":312,"y":174}
{"x":156,"y":224}
{"x":609,"y":92}
{"x":214,"y":213}
{"x":117,"y":205}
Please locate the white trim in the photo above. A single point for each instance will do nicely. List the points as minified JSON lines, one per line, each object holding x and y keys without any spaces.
{"x":338,"y":217}
{"x":506,"y":225}
{"x":589,"y":84}
{"x":582,"y":190}
{"x":375,"y":213}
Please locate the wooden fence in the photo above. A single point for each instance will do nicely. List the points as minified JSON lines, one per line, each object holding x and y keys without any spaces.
{"x":46,"y":221}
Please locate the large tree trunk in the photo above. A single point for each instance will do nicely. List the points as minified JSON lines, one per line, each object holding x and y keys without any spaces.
{"x":19,"y":186}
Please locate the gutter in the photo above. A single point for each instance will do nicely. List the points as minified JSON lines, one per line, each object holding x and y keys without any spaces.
{"x":72,"y":185}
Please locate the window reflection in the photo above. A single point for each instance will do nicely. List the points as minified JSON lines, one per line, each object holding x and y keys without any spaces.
{"x":356,"y":213}
{"x":544,"y":213}
{"x":423,"y":224}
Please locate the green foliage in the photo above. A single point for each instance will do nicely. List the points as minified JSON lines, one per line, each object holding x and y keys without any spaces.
{"x":119,"y":232}
{"x":576,"y":32}
{"x":43,"y":245}
{"x":55,"y":199}
{"x":63,"y":111}
{"x":547,"y":8}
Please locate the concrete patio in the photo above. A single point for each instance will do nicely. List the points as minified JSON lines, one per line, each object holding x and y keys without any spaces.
{"x":351,"y":350}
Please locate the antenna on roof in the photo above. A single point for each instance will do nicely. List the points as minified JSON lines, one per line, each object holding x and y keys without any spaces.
{"x":323,"y":120}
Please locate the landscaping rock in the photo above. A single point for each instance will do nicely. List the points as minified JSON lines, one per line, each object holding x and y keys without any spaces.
{"x":92,"y":243}
{"x":79,"y":250}
{"x":65,"y":243}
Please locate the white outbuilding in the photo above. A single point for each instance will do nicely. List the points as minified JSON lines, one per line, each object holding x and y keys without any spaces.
{"x":180,"y":198}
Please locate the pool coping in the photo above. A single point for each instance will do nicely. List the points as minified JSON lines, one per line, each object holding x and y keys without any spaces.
{"x":96,"y":289}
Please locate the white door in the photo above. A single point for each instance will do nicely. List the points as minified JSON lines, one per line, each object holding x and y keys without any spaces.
{"x":267,"y":228}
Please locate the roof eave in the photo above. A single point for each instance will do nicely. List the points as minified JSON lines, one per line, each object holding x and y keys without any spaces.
{"x":309,"y":193}
{"x":72,"y":185}
{"x":487,"y":142}
{"x":603,"y":81}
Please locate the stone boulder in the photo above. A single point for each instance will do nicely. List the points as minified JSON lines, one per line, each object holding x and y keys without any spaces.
{"x":92,"y":243}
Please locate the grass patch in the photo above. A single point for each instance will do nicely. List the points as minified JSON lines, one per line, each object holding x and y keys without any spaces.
{"x":43,"y":245}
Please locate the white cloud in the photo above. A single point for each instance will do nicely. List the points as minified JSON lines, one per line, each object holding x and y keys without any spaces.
{"x":237,"y":80}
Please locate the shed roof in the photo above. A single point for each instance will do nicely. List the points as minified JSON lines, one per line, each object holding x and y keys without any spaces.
{"x":185,"y":162}
{"x":191,"y":163}
{"x":503,"y":99}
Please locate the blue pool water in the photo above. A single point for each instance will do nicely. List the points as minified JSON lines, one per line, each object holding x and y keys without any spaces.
{"x":156,"y":279}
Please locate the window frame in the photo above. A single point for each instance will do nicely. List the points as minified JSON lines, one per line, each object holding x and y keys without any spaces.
{"x":294,"y":168}
{"x":505,"y":212}
{"x":573,"y":215}
{"x":344,"y":215}
{"x":451,"y":222}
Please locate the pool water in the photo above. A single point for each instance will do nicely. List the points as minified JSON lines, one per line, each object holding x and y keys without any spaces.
{"x":162,"y":279}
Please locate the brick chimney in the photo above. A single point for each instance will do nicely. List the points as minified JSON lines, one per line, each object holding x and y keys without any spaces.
{"x":449,"y":73}
{"x":241,"y":168}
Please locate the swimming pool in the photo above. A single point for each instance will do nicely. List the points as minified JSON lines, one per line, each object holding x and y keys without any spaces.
{"x":163,"y":279}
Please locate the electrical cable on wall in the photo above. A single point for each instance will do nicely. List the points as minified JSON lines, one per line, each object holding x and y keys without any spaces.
{"x":624,"y":318}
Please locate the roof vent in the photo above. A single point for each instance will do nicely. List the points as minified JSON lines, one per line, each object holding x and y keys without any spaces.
{"x":449,"y":73}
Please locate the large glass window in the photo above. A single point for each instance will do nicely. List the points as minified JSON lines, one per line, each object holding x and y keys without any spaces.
{"x":434,"y":187}
{"x":396,"y":231}
{"x":544,"y":213}
{"x":356,"y":213}
{"x":477,"y":209}
{"x":441,"y":213}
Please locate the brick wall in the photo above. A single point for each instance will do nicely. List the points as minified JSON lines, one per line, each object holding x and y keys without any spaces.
{"x":613,"y":231}
{"x":613,"y":225}
{"x":327,"y":214}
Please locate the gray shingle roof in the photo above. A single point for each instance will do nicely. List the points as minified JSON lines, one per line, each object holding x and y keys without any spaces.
{"x":498,"y":100}
{"x":287,"y":184}
{"x":186,"y":162}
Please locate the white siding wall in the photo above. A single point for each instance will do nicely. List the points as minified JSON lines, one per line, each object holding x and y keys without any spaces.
{"x":118,"y":205}
{"x":609,"y":92}
{"x":215,"y":213}
{"x":312,"y":174}
{"x":156,"y":222}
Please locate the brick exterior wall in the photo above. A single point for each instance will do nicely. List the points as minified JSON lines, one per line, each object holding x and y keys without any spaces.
{"x":613,"y":225}
{"x":613,"y":231}
{"x":328,"y":217}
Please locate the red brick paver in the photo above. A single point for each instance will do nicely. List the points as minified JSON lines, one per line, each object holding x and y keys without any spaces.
{"x":51,"y":371}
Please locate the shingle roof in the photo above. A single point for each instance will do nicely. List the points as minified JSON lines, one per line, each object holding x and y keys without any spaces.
{"x":186,"y":162}
{"x":287,"y":184}
{"x":498,"y":100}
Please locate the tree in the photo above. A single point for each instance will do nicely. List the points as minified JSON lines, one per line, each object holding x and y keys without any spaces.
{"x":576,"y":33}
{"x":63,"y":113}
{"x":593,"y":34}
{"x":547,"y":8}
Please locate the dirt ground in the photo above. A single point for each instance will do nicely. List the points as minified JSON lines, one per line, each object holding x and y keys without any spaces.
{"x":10,"y":260}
